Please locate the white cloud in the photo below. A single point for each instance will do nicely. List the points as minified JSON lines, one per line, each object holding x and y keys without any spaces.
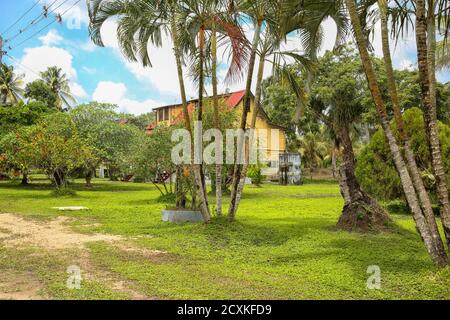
{"x":163,"y":75}
{"x":52,"y":37}
{"x":77,"y":90}
{"x":115,"y":93}
{"x":40,"y":58}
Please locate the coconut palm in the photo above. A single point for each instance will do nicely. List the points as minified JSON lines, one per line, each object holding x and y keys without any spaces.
{"x":431,"y":16}
{"x":427,"y":72}
{"x":10,"y":85}
{"x":408,"y":187}
{"x":422,"y":193}
{"x":59,"y":84}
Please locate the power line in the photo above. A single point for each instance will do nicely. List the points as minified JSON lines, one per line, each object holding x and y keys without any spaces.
{"x":22,"y":65}
{"x":36,"y":20}
{"x":57,"y":19}
{"x":20,"y":18}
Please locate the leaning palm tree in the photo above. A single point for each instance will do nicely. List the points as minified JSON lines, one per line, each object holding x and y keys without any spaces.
{"x":10,"y":85}
{"x":431,"y":16}
{"x":419,"y":185}
{"x":427,"y":72}
{"x":421,"y":222}
{"x":57,"y":81}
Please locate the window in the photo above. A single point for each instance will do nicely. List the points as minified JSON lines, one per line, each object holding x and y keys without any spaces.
{"x":160,"y":115}
{"x":166,"y":114}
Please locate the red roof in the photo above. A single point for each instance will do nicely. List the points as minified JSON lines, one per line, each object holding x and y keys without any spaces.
{"x":233,"y":101}
{"x":235,"y":98}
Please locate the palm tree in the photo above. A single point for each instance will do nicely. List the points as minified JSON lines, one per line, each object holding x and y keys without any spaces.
{"x":408,"y":187}
{"x":340,"y":109}
{"x":259,"y":12}
{"x":59,"y":84}
{"x":422,"y":193}
{"x":207,"y":23}
{"x":427,"y":72}
{"x":140,"y":23}
{"x":10,"y":85}
{"x":431,"y":55}
{"x":442,"y":55}
{"x":312,"y":150}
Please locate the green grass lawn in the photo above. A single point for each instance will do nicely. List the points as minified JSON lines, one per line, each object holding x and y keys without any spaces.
{"x":282,"y":246}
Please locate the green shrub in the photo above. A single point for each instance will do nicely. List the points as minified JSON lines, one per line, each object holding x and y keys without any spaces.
{"x":375,"y":168}
{"x":254,"y":173}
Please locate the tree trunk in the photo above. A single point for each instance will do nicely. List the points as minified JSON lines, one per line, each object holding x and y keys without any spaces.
{"x":88,"y":178}
{"x":333,"y":162}
{"x":203,"y":194}
{"x":197,"y":177}
{"x":216,"y":122}
{"x":426,"y":57}
{"x":408,"y":188}
{"x":238,"y":168}
{"x":24,"y":178}
{"x":361,"y":212}
{"x":258,"y":93}
{"x":422,"y":193}
{"x":60,"y":179}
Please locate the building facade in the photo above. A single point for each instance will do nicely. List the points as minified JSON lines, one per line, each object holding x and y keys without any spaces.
{"x":271,"y":137}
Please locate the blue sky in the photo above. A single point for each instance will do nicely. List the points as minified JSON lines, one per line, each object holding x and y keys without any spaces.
{"x":103,"y":74}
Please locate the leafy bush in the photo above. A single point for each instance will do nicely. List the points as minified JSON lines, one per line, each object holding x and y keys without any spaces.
{"x":254,"y":173}
{"x":375,"y":168}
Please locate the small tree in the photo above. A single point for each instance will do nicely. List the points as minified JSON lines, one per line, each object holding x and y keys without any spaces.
{"x":16,"y":151}
{"x":113,"y":143}
{"x":38,"y":90}
{"x":57,"y":148}
{"x":153,"y":161}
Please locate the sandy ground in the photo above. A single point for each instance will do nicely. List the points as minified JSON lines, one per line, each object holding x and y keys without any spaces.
{"x":56,"y":236}
{"x":51,"y":235}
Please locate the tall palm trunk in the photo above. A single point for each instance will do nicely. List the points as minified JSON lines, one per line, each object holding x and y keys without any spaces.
{"x":201,"y":89}
{"x":423,"y":195}
{"x":259,"y":79}
{"x":195,"y":168}
{"x":408,"y":188}
{"x":431,"y":109}
{"x":361,"y":212}
{"x":216,"y":120}
{"x":238,"y":168}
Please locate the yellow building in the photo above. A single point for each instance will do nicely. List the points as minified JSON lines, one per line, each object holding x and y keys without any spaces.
{"x":274,"y":144}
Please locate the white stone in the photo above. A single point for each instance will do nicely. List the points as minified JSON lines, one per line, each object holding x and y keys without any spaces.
{"x":71,"y":208}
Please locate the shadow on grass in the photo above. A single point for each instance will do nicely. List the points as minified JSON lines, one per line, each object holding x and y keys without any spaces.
{"x":97,"y":187}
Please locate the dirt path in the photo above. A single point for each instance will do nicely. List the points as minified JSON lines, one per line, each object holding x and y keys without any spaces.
{"x":50,"y":235}
{"x":55,"y":236}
